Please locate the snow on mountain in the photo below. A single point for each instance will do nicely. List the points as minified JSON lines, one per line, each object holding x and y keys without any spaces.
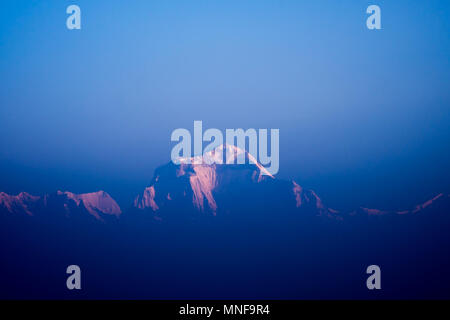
{"x":309,"y":199}
{"x":21,"y":203}
{"x":147,"y":200}
{"x":95,"y":203}
{"x":226,"y":154}
{"x":428,"y":203}
{"x":208,"y":185}
{"x":440,"y":201}
{"x":196,"y":181}
{"x":203,"y":183}
{"x":98,"y":204}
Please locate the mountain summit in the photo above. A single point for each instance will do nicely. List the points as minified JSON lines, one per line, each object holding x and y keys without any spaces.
{"x":226,"y":154}
{"x":208,"y":185}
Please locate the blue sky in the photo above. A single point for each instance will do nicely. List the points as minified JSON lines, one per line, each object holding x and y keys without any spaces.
{"x":363,"y":115}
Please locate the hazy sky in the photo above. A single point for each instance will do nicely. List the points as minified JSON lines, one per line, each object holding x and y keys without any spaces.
{"x":363,"y":115}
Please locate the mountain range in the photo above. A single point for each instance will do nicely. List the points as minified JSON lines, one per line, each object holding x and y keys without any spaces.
{"x":197,"y":189}
{"x":97,"y":205}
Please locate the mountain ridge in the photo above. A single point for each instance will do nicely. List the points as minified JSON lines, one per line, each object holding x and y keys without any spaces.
{"x":97,"y":205}
{"x":201,"y":187}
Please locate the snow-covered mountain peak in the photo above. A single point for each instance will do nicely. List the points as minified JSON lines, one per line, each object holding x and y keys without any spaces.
{"x":95,"y":202}
{"x":222,"y":155}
